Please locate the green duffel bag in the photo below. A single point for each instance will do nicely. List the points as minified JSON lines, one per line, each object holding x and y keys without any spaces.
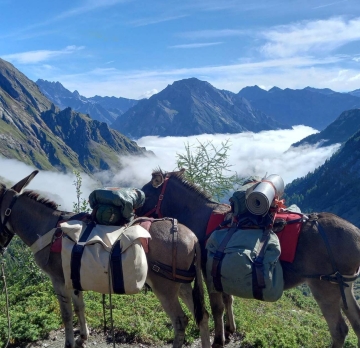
{"x":114,"y":205}
{"x":241,"y":269}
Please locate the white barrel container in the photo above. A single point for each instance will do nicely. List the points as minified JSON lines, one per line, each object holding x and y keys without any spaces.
{"x":259,"y":200}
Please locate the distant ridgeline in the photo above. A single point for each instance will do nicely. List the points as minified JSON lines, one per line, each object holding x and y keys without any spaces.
{"x":312,"y":107}
{"x":103,"y":109}
{"x":35,"y":132}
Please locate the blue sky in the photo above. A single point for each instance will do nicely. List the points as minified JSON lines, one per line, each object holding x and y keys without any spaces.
{"x":135,"y":48}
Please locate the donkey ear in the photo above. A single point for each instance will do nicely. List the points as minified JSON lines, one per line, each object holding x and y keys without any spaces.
{"x":157,"y":180}
{"x":24,"y":182}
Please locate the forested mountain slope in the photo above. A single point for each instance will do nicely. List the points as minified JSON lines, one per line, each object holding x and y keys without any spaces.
{"x":333,"y":187}
{"x":337,"y":132}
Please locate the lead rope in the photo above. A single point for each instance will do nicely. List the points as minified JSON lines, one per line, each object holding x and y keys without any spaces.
{"x":111,"y":308}
{"x":7,"y":302}
{"x":103,"y":305}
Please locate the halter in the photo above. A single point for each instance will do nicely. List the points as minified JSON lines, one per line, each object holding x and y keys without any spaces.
{"x":157,"y":207}
{"x":3,"y":223}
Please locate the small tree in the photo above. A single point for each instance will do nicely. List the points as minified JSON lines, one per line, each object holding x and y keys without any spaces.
{"x":82,"y":204}
{"x":207,"y":166}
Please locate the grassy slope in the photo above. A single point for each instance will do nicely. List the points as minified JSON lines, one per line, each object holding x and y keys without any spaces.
{"x":293,"y":321}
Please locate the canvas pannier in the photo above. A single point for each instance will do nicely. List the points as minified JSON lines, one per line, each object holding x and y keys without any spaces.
{"x":114,"y":205}
{"x":109,"y":259}
{"x":248,"y":266}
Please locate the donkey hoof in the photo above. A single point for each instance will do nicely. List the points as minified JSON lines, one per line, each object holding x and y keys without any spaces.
{"x":217,"y":345}
{"x":80,"y":343}
{"x":228,"y":336}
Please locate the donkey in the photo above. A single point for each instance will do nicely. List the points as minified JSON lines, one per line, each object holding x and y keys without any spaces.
{"x":29,"y":216}
{"x":329,"y":275}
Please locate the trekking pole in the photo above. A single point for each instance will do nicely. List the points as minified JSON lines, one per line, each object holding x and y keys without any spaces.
{"x":7,"y":301}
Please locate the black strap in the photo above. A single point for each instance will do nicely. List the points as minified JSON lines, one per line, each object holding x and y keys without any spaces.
{"x":166,"y":271}
{"x":218,"y":257}
{"x":76,"y":255}
{"x":258,"y":267}
{"x":7,"y":214}
{"x":336,"y":277}
{"x":117,"y":274}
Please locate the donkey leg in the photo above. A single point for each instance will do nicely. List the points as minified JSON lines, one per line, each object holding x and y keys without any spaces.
{"x":353,"y":311}
{"x":230,"y":326}
{"x":167,"y":293}
{"x":217,"y":310}
{"x":64,"y":298}
{"x":79,"y":308}
{"x":328,"y":297}
{"x":185,"y":293}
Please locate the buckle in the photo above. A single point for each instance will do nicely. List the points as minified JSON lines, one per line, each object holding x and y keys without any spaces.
{"x":7,"y":212}
{"x":155,"y":268}
{"x":161,"y":197}
{"x":218,"y":255}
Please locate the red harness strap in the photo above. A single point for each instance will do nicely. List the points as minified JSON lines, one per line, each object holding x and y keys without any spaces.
{"x":157,"y":207}
{"x":216,"y":218}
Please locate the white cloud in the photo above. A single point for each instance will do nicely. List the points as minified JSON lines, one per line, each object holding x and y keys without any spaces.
{"x":310,"y":36}
{"x":196,"y":45}
{"x":205,"y":34}
{"x":250,"y":153}
{"x":147,"y":21}
{"x":329,"y":4}
{"x":52,"y":185}
{"x":148,"y":94}
{"x":33,"y":57}
{"x":89,"y":5}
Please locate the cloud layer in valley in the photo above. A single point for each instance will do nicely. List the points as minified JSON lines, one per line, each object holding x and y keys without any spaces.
{"x":250,"y":153}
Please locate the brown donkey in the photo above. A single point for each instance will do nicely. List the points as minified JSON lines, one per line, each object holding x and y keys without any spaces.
{"x":328,"y":254}
{"x":30,"y":217}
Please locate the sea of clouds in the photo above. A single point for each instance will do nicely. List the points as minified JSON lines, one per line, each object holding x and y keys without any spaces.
{"x":263,"y":153}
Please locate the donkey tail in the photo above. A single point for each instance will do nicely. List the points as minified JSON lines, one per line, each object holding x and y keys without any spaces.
{"x":198,"y":290}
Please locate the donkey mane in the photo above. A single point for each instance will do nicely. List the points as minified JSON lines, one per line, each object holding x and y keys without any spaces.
{"x":36,"y":197}
{"x":179,"y":176}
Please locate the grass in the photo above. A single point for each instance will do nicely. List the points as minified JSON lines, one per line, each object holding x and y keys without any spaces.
{"x":293,"y":321}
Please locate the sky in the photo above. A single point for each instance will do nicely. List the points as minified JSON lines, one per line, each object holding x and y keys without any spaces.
{"x":135,"y":48}
{"x":262,"y":154}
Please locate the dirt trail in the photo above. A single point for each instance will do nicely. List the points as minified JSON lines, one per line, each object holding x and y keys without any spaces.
{"x":100,"y":340}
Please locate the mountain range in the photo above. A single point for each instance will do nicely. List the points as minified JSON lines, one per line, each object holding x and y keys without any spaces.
{"x":312,"y":107}
{"x":34,"y":131}
{"x":103,"y":109}
{"x":191,"y":107}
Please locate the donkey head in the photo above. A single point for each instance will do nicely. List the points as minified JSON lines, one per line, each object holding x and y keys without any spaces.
{"x":7,"y":200}
{"x":153,"y":189}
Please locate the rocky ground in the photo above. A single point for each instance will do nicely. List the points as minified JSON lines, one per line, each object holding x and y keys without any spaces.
{"x":100,"y":340}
